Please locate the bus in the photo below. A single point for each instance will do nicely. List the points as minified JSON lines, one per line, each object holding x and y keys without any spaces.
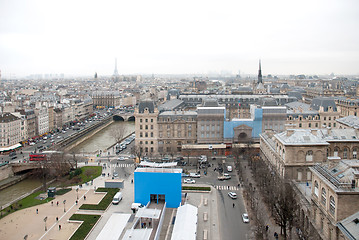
{"x":37,"y":157}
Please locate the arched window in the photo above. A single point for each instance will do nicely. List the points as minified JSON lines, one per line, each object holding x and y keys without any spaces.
{"x":300,"y":125}
{"x":316,"y":188}
{"x":309,"y":156}
{"x":336,"y":150}
{"x":332,"y":205}
{"x":355,"y":150}
{"x":324,"y":196}
{"x":345,"y":153}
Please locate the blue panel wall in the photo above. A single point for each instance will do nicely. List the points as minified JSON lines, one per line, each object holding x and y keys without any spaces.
{"x":255,"y":124}
{"x":169,"y":184}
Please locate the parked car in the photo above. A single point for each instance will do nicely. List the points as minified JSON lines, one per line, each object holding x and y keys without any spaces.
{"x":115,"y":174}
{"x":194,"y":175}
{"x":245,"y":218}
{"x":136,"y":206}
{"x":188,"y":180}
{"x":179,"y":159}
{"x":232,"y":195}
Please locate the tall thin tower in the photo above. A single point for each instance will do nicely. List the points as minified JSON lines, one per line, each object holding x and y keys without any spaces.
{"x":260,"y":73}
{"x":115,"y":73}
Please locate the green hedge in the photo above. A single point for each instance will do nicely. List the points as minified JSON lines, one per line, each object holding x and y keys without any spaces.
{"x":106,"y":200}
{"x":89,"y":222}
{"x":62,"y":191}
{"x":196,"y":188}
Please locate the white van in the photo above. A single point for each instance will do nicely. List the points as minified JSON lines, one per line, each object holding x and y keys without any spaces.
{"x":229,"y":168}
{"x":117,"y":198}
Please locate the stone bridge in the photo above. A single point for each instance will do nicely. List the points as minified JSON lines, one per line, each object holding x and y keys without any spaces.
{"x":124,"y":116}
{"x":22,"y":167}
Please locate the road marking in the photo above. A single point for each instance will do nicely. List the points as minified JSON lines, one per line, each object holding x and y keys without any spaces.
{"x":232,"y":188}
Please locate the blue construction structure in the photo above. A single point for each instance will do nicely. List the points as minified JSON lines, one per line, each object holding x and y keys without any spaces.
{"x":156,"y":184}
{"x":255,"y":123}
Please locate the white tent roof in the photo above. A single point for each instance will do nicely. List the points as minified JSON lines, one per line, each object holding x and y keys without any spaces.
{"x":157,"y":165}
{"x":148,"y":213}
{"x":140,"y":234}
{"x":114,"y":227}
{"x":185,"y":227}
{"x":17,"y":145}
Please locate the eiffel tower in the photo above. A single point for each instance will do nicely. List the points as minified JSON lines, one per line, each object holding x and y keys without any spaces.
{"x":115,"y":73}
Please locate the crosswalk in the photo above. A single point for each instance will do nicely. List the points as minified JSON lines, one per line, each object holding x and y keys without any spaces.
{"x":122,"y":165}
{"x":231,"y":188}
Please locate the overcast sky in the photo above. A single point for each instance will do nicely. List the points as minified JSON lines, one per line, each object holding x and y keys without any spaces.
{"x":179,"y":36}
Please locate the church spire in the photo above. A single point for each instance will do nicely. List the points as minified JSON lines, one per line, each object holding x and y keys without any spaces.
{"x":260,"y":73}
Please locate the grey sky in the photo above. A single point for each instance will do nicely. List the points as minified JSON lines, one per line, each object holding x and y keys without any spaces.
{"x":179,"y":36}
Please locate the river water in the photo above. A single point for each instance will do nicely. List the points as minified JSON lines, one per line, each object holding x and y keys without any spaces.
{"x":105,"y":138}
{"x":100,"y":141}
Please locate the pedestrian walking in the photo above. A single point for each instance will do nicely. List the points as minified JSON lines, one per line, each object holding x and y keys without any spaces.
{"x":84,"y":197}
{"x":52,"y":203}
{"x":57,"y":203}
{"x":57,"y":219}
{"x":275,"y":235}
{"x":233,"y":204}
{"x":131,"y":180}
{"x":37,"y":211}
{"x":59,"y":227}
{"x":267,"y":227}
{"x":77,"y":202}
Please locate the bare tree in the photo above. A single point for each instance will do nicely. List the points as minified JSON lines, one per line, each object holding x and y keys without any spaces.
{"x":118,"y":133}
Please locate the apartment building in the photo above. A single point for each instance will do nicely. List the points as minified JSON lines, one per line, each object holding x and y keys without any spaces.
{"x":106,"y":99}
{"x":291,"y":152}
{"x":348,"y":107}
{"x":31,"y":126}
{"x":146,"y":128}
{"x":176,"y":128}
{"x":335,"y":194}
{"x":210,"y":121}
{"x":42,"y":120}
{"x":10,"y":130}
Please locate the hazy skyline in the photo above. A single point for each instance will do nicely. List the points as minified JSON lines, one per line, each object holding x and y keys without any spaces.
{"x":175,"y":37}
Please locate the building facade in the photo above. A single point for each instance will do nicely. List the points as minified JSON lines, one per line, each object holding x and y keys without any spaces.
{"x":10,"y":130}
{"x":335,"y":194}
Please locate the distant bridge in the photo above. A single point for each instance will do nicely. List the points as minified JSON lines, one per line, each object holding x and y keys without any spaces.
{"x":124,"y":116}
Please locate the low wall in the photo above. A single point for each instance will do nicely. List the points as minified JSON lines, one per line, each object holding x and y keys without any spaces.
{"x":87,"y":136}
{"x":6,"y":172}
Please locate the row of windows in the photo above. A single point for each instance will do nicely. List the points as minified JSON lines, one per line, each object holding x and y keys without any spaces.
{"x":169,"y":126}
{"x":208,"y":128}
{"x":311,"y":118}
{"x":146,"y":120}
{"x":178,"y":118}
{"x":146,"y":142}
{"x":179,"y":134}
{"x":323,"y":199}
{"x":213,"y":134}
{"x":146,"y":134}
{"x":146,"y":127}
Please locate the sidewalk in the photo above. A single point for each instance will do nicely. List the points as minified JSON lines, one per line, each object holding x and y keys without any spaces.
{"x":265,"y":214}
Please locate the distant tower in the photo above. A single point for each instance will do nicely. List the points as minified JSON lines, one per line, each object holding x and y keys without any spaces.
{"x":95,"y":75}
{"x":115,"y":73}
{"x":260,"y":73}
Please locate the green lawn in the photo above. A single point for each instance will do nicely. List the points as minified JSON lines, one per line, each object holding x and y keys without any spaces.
{"x":89,"y":173}
{"x":111,"y":192}
{"x":89,"y":222}
{"x":62,"y":191}
{"x":196,"y":188}
{"x":29,"y":201}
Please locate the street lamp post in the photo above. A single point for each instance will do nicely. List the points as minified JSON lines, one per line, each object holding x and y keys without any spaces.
{"x":45,"y":219}
{"x":64,"y":205}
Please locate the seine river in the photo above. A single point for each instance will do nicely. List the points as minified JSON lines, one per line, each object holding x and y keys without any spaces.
{"x":105,"y":138}
{"x":100,"y":141}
